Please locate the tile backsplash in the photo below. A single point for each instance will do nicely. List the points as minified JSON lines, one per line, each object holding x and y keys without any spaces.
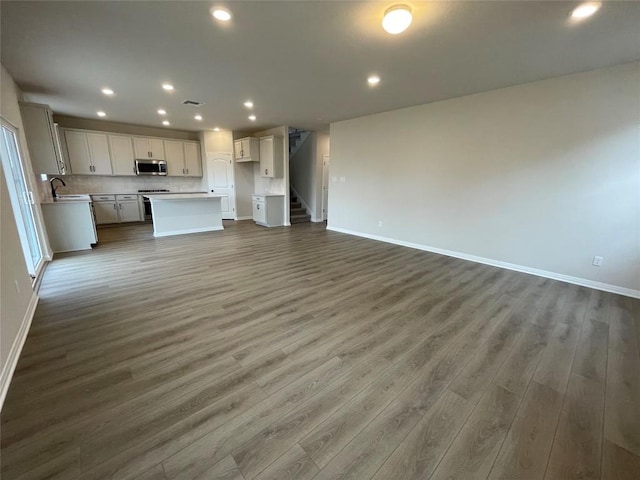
{"x":98,"y":184}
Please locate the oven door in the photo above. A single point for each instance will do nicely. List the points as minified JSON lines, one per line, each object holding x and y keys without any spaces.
{"x":147,"y":209}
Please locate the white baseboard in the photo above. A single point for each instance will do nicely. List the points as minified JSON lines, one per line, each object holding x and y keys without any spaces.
{"x":14,"y":354}
{"x":628,"y":292}
{"x":246,"y":217}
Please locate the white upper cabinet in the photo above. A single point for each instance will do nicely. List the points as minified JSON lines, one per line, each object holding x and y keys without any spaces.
{"x":183,"y":158}
{"x":122,"y":158}
{"x":42,"y":139}
{"x":145,"y":147}
{"x":246,"y":150}
{"x":174,"y":152}
{"x":271,"y":157}
{"x":99,"y":153}
{"x":192,"y":161}
{"x":88,"y":153}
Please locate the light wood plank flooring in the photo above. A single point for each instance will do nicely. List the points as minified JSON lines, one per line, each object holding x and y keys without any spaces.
{"x":297,"y":353}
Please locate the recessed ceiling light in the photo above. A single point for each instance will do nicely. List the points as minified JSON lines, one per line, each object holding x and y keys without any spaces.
{"x":162,"y":112}
{"x":107,"y":91}
{"x":216,"y":129}
{"x":373,"y":80}
{"x":166,"y":123}
{"x":198,"y":117}
{"x":100,"y":113}
{"x":167,"y":86}
{"x":221,"y":14}
{"x":397,"y":19}
{"x":252,"y":118}
{"x":585,"y":10}
{"x":248,"y":104}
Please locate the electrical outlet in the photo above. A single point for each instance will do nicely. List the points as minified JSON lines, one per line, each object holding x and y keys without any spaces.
{"x":379,"y":223}
{"x":597,"y":261}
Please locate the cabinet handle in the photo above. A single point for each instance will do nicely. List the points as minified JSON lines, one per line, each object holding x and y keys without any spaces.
{"x":183,"y":171}
{"x":266,"y":171}
{"x":149,"y":154}
{"x":187,"y":171}
{"x":258,"y":206}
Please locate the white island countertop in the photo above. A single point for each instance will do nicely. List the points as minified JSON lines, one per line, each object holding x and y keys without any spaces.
{"x":183,"y":213}
{"x":178,"y":196}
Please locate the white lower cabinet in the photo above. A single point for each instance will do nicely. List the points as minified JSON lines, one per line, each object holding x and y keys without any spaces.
{"x":116,"y":209}
{"x":268,"y":210}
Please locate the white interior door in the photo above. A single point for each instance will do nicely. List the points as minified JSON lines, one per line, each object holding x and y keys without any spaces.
{"x":220,"y":177}
{"x":326,"y":162}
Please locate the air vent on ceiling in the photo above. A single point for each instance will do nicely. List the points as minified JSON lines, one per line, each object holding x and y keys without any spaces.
{"x":192,"y":103}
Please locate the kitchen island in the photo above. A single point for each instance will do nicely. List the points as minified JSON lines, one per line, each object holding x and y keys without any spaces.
{"x":183,"y":213}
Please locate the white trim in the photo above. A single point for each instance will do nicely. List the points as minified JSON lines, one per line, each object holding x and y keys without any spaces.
{"x":189,"y":230}
{"x":607,"y":287}
{"x":246,"y":217}
{"x":16,"y":349}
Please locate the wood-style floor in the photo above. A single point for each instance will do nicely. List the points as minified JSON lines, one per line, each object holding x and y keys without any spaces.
{"x":297,"y":353}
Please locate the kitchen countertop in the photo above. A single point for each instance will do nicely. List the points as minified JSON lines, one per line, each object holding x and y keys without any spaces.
{"x":180,"y":196}
{"x":143,"y":193}
{"x":62,"y":199}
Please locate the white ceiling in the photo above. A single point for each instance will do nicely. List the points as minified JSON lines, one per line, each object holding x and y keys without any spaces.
{"x":303,"y":63}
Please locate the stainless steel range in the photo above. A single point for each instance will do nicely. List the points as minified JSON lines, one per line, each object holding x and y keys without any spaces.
{"x":147,"y":202}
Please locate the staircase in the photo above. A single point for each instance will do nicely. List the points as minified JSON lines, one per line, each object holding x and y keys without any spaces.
{"x":296,"y":139}
{"x":297,"y":212}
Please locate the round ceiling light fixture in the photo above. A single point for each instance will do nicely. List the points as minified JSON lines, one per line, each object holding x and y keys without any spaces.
{"x":397,"y":19}
{"x":221,"y":14}
{"x":585,"y":10}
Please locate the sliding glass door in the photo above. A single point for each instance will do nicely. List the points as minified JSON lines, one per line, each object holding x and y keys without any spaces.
{"x":21,"y":197}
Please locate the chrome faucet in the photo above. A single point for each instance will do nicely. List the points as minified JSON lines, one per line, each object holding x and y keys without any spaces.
{"x":53,"y":189}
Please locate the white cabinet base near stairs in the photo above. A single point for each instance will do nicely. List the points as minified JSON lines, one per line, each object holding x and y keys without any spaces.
{"x":268,"y":210}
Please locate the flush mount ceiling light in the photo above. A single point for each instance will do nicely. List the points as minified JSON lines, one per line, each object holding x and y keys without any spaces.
{"x":100,"y":113}
{"x":167,"y":86}
{"x":162,"y":112}
{"x":248,"y":104}
{"x":397,"y":19}
{"x":585,"y":10}
{"x":373,"y":80}
{"x":221,"y":14}
{"x":166,"y":123}
{"x":252,"y":118}
{"x":198,"y":117}
{"x":107,"y":91}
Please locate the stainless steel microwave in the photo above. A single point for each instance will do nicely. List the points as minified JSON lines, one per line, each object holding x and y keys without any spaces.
{"x":150,"y":167}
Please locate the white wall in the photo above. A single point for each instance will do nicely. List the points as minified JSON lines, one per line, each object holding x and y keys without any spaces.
{"x":542,"y":176}
{"x":16,"y":291}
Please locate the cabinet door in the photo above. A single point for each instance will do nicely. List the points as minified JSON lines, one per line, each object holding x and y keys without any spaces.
{"x":129,"y":211}
{"x":99,"y":153}
{"x":78,"y":151}
{"x":237,"y":150}
{"x":105,"y":212}
{"x":192,"y":163}
{"x":259,"y":212}
{"x":141,"y":147}
{"x":175,"y":157}
{"x":122,"y":155}
{"x":41,"y":139}
{"x":157,"y":148}
{"x":266,"y":157}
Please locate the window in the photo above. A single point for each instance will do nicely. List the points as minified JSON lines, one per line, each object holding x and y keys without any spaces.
{"x":21,"y":197}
